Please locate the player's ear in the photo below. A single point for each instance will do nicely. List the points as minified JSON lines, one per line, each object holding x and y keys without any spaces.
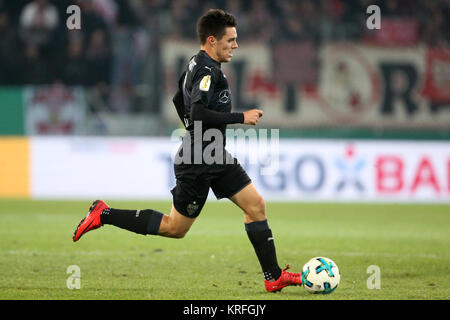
{"x":211,"y":40}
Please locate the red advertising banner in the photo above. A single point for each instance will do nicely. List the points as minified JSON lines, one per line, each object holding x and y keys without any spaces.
{"x":394,"y":32}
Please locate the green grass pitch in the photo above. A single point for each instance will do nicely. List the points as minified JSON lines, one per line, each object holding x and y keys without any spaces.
{"x":409,"y":243}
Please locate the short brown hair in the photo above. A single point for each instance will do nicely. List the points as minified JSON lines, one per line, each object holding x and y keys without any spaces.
{"x":213,"y":23}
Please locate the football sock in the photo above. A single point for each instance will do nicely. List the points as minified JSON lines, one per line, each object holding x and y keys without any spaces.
{"x":262,"y":240}
{"x":139,"y":221}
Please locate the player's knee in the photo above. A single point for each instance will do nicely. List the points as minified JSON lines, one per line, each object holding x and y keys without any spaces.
{"x":177,"y":233}
{"x":257,"y":209}
{"x":261,"y":205}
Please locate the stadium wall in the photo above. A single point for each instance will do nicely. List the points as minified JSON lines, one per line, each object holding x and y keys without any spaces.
{"x":300,"y":87}
{"x":299,"y":170}
{"x":351,"y":86}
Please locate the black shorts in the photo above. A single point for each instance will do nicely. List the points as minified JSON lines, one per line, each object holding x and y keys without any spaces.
{"x":194,"y":181}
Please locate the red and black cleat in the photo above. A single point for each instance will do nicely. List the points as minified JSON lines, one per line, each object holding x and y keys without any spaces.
{"x":286,"y":279}
{"x":92,"y":220}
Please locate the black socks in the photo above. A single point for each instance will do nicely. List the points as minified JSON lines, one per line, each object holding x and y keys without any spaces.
{"x":139,"y":221}
{"x":148,"y":222}
{"x":262,"y":240}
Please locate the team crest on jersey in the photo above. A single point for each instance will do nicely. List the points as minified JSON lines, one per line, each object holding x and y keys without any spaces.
{"x":205,"y":83}
{"x":192,"y":208}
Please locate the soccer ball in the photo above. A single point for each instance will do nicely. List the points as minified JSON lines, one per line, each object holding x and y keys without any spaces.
{"x":320,"y":275}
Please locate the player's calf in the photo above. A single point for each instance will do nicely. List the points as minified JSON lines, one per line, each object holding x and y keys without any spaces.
{"x":139,"y":221}
{"x":143,"y":222}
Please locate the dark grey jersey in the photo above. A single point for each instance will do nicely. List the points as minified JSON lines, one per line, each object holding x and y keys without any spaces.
{"x":204,"y":82}
{"x":204,"y":97}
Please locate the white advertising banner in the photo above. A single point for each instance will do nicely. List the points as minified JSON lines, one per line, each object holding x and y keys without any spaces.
{"x":299,"y":170}
{"x":99,"y":168}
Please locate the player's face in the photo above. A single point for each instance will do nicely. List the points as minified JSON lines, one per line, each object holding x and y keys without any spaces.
{"x":225,"y":46}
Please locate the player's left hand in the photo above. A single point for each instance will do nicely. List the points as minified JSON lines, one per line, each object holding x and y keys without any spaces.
{"x":252,"y":116}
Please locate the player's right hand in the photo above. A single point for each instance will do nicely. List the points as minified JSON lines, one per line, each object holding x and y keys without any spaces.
{"x":252,"y":116}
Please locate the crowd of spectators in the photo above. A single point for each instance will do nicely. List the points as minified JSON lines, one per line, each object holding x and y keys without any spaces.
{"x":36,"y":47}
{"x":312,"y":20}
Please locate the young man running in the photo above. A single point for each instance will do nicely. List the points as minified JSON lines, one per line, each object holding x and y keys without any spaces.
{"x":203,"y":103}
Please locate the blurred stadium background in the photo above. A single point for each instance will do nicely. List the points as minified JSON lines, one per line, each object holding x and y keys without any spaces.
{"x":362,"y":115}
{"x":314,"y":67}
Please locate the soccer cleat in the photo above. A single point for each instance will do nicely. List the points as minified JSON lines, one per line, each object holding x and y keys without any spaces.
{"x":92,"y":220}
{"x":286,"y":279}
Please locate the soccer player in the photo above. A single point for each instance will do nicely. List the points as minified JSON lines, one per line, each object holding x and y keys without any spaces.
{"x":203,"y":102}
